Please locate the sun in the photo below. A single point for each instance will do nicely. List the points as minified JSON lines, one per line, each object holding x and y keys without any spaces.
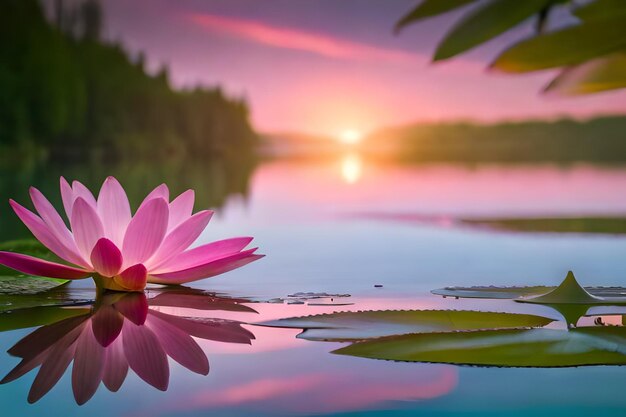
{"x":350,"y":136}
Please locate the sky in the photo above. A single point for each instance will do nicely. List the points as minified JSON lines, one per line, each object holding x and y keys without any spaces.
{"x":326,"y":66}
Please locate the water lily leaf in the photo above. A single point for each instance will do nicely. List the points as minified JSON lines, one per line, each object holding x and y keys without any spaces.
{"x":430,"y":8}
{"x":357,"y":325}
{"x":565,"y":47}
{"x":509,"y":293}
{"x":491,"y":292}
{"x":601,"y":9}
{"x":571,"y":292}
{"x":486,"y":22}
{"x":37,"y":316}
{"x":602,"y":74}
{"x":516,"y":348}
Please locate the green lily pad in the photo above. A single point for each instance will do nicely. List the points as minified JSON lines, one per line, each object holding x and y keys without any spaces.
{"x":509,"y":348}
{"x":360,"y":325}
{"x":491,"y":292}
{"x":511,"y":293}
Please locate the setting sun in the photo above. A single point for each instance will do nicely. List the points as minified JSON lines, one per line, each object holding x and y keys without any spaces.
{"x":350,"y":136}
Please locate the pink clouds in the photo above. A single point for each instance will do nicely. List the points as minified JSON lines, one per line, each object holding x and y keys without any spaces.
{"x":294,"y":39}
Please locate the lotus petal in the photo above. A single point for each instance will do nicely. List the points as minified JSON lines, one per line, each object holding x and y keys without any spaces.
{"x":114,"y":210}
{"x":54,"y":366}
{"x":180,"y":209}
{"x":179,"y":345}
{"x":160,"y":191}
{"x":106,"y":258}
{"x":53,"y":220}
{"x":207,"y":270}
{"x":133,"y":278}
{"x":219,"y":330}
{"x":145,"y":232}
{"x":40,"y":230}
{"x":86,"y":226}
{"x":80,"y":191}
{"x":88,"y":366}
{"x":35,"y":266}
{"x":145,"y":355}
{"x":116,"y":367}
{"x":181,"y":238}
{"x":134,"y":307}
{"x":203,"y":254}
{"x":106,"y":324}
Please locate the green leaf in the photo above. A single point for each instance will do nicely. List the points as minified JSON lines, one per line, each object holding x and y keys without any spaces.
{"x":602,"y":74}
{"x":570,"y":46}
{"x":518,"y":348}
{"x":430,"y":8}
{"x":370,"y":324}
{"x":571,"y":292}
{"x":509,"y":293}
{"x":491,"y":292}
{"x":37,"y":316}
{"x":486,"y":22}
{"x":27,"y":285}
{"x":601,"y":9}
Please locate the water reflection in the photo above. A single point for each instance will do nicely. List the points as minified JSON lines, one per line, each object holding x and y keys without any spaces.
{"x":215,"y":180}
{"x":122,"y":331}
{"x":351,"y":168}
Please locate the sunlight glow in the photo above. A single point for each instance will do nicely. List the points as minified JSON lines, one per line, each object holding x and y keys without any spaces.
{"x":350,"y":136}
{"x":351,"y":168}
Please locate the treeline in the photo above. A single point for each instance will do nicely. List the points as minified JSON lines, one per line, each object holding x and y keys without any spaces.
{"x":596,"y":140}
{"x":65,"y":90}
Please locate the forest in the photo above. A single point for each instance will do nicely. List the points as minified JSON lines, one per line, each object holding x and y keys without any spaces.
{"x":67,"y":91}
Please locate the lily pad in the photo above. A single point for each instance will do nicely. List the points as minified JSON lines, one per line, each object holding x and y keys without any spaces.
{"x":571,"y":292}
{"x":358,"y":325}
{"x":509,"y":348}
{"x":491,"y":292}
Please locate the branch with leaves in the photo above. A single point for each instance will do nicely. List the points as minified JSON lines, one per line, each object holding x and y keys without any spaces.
{"x":591,"y":54}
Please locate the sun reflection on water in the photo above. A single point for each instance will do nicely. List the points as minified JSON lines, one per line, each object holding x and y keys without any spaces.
{"x":351,"y":168}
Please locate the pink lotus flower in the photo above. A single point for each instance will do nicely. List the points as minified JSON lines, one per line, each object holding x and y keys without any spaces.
{"x":120,"y":251}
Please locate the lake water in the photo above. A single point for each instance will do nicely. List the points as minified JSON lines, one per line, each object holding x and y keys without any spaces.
{"x":341,"y":226}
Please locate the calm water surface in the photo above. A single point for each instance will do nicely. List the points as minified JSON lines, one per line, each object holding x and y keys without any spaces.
{"x":320,"y":224}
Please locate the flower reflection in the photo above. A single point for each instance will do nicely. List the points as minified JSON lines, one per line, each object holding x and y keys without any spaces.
{"x":351,"y":168}
{"x":122,"y":331}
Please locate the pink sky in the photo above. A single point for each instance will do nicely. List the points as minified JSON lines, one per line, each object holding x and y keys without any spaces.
{"x":321,"y":67}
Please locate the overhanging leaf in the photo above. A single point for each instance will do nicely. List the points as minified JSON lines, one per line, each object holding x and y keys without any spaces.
{"x":601,"y":9}
{"x":430,"y":8}
{"x":370,"y":324}
{"x":602,"y":74}
{"x":486,"y":22}
{"x":570,"y":46}
{"x":514,"y":348}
